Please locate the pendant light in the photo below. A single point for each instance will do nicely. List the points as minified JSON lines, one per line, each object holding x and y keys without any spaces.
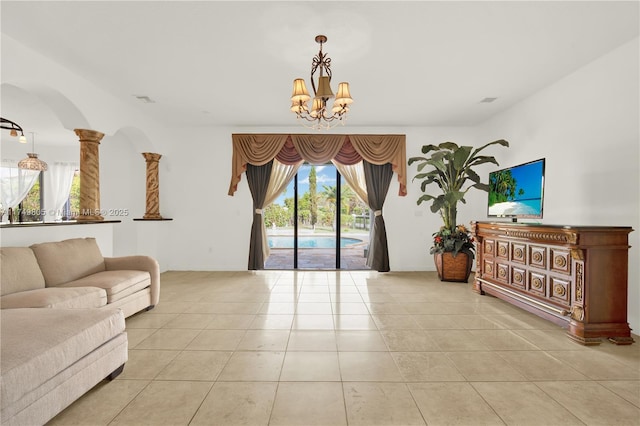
{"x":32,"y":162}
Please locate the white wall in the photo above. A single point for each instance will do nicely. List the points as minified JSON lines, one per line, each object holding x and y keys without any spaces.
{"x":587,"y":127}
{"x":25,"y":235}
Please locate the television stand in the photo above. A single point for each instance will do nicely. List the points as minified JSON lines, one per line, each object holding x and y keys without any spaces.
{"x":574,"y":276}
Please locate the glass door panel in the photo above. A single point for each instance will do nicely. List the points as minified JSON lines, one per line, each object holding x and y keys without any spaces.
{"x":354,"y":230}
{"x":317,"y":217}
{"x":279,"y":226}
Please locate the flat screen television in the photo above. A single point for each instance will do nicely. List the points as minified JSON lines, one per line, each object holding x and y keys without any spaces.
{"x":517,"y":192}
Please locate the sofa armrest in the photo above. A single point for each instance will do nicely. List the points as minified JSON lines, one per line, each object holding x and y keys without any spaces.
{"x":138,"y":263}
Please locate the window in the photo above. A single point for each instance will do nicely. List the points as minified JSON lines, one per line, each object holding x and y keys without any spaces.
{"x":30,"y":208}
{"x":71,"y":209}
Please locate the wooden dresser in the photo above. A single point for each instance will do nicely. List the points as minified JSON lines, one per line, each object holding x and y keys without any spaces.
{"x":575,"y":276}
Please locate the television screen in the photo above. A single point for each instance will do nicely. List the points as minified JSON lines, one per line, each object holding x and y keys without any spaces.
{"x":517,"y":191}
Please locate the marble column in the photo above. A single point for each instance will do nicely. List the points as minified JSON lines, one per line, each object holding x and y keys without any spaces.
{"x":89,"y":174}
{"x":153,"y":186}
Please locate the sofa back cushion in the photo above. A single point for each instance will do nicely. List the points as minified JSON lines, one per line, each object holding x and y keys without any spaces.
{"x":19,"y":270}
{"x":68,"y":260}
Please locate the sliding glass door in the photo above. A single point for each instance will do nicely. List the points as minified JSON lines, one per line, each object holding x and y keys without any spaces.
{"x":317,"y":223}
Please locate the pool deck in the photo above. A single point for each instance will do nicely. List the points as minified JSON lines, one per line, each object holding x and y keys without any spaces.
{"x":352,"y":257}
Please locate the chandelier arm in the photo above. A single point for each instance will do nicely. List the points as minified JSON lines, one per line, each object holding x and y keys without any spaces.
{"x":10,"y":125}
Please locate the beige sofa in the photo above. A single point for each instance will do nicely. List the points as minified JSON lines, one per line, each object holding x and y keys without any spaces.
{"x":74,"y":274}
{"x":50,"y":357}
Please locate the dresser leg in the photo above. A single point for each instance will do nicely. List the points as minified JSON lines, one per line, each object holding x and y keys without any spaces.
{"x":586,"y":341}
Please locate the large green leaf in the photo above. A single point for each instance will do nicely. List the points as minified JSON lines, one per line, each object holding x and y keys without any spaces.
{"x":437,"y":204}
{"x":449,"y":145}
{"x":472,"y":175}
{"x":438,"y":164}
{"x":428,"y":175}
{"x":453,"y":197}
{"x":430,"y":180}
{"x":414,"y":159}
{"x":427,"y":148}
{"x":483,"y":159}
{"x":460,"y":157}
{"x":499,"y":142}
{"x":481,"y":186}
{"x":424,"y":198}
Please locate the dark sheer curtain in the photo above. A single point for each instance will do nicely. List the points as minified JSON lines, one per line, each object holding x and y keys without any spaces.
{"x":258,"y":180}
{"x":378,"y":179}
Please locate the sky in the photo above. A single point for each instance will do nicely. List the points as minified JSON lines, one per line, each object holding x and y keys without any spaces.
{"x":528,"y":178}
{"x":325,"y":175}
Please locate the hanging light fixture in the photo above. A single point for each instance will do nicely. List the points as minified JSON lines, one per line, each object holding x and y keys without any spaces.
{"x":14,"y":129}
{"x":32,"y":162}
{"x":320,"y":117}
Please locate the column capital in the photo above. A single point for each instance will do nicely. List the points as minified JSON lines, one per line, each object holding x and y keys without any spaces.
{"x":151,"y":156}
{"x":87,"y":135}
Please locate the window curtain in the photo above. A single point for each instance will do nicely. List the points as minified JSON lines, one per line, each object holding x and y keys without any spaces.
{"x":378,"y":178}
{"x":258,"y":178}
{"x":57,"y":187}
{"x":281,"y":175}
{"x":258,"y":149}
{"x":15,"y":183}
{"x":354,"y":175}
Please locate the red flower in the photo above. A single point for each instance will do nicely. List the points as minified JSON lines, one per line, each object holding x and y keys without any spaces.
{"x":438,"y":239}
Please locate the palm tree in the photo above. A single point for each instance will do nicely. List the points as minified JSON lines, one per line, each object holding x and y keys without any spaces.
{"x":330,"y":194}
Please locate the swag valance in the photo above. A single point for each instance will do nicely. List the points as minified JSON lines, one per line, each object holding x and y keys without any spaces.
{"x":259,"y":149}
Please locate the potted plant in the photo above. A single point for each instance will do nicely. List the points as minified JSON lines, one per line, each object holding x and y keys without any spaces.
{"x":450,"y":168}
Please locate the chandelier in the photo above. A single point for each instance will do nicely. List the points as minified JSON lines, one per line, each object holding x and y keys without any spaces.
{"x":14,"y":129}
{"x":320,"y":117}
{"x":32,"y":162}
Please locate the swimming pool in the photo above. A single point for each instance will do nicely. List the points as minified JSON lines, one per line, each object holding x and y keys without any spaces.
{"x":309,"y":241}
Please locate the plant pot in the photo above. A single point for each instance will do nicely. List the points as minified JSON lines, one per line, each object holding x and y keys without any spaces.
{"x":452,"y":268}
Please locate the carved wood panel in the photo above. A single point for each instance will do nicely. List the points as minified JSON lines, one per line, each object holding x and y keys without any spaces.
{"x":537,"y":284}
{"x":518,"y":253}
{"x":518,"y":277}
{"x":560,"y":260}
{"x":560,"y":291}
{"x":503,"y":249}
{"x":489,"y":269}
{"x":538,"y":256}
{"x":502,"y":272}
{"x":488,"y":247}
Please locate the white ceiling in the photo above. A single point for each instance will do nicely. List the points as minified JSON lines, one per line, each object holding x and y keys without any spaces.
{"x":416,"y":63}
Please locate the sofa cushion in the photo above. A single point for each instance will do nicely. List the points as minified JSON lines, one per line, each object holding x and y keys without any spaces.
{"x":19,"y":270}
{"x":117,"y":284}
{"x":33,"y":351}
{"x":68,"y":260}
{"x":56,"y":297}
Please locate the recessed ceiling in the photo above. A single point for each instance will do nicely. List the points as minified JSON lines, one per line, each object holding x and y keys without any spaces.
{"x":214,"y":63}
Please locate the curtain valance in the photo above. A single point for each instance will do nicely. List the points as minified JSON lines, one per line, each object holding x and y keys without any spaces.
{"x":259,"y":149}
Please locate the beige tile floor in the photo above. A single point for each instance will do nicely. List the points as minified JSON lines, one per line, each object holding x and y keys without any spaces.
{"x":357,"y":348}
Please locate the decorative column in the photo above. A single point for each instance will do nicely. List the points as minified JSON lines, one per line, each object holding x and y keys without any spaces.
{"x":89,"y":174}
{"x":152,"y":211}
